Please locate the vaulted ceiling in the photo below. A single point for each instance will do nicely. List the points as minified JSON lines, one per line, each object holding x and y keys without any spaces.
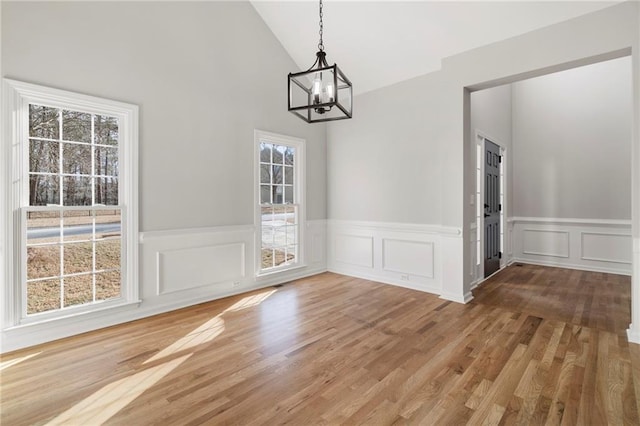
{"x":383,"y":42}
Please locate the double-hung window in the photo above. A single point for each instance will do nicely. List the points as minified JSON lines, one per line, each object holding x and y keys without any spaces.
{"x":73,"y":206}
{"x":279,"y":200}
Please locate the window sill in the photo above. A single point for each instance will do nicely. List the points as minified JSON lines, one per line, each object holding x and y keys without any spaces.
{"x":50,"y":320}
{"x":280,"y":271}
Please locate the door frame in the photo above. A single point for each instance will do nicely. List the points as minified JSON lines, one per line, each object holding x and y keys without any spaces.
{"x":477,"y":247}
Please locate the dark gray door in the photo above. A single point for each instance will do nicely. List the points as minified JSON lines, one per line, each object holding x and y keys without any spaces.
{"x":492,"y":208}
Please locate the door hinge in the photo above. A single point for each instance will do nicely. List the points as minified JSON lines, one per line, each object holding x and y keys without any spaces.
{"x":499,"y":207}
{"x":499,"y":255}
{"x":499,"y":158}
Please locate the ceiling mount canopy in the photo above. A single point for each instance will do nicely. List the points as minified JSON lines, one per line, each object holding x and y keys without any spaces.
{"x":321,"y":93}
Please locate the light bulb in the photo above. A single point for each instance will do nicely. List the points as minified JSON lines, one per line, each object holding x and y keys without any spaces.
{"x":330,"y":92}
{"x":317,"y":84}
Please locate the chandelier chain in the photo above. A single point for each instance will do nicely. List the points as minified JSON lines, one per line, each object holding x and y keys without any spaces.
{"x":321,"y":43}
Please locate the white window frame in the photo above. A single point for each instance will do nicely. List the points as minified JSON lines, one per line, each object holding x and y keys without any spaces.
{"x":15,"y":150}
{"x":299,"y":196}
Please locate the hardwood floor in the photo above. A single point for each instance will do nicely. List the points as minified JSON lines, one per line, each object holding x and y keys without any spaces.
{"x":536,"y":346}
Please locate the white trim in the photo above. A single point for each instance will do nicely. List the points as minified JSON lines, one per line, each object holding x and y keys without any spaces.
{"x":572,"y":221}
{"x":467,"y":297}
{"x":17,"y":96}
{"x":577,"y":267}
{"x":147,"y":236}
{"x":633,"y":335}
{"x":413,"y":228}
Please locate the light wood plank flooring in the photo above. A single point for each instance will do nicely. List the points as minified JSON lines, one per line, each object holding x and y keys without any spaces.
{"x":536,"y":346}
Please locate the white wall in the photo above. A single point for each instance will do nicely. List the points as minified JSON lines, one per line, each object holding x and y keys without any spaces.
{"x":420,"y":125}
{"x":572,"y":139}
{"x":205,"y":75}
{"x":572,"y":134}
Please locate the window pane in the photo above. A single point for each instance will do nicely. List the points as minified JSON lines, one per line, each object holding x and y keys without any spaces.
{"x":280,"y":236}
{"x":43,"y":296}
{"x":288,"y":194}
{"x":77,"y":225}
{"x":267,"y":236}
{"x":108,"y":254}
{"x":77,"y":257}
{"x":277,"y":174}
{"x":105,"y":130}
{"x":267,"y":258}
{"x":288,"y":175}
{"x":44,"y":157}
{"x":106,"y":161}
{"x":290,"y":212}
{"x":43,"y":122}
{"x":43,"y":227}
{"x":108,"y":224}
{"x":277,"y":154}
{"x":292,"y":238}
{"x":76,"y":126}
{"x":44,"y":190}
{"x":77,"y":190}
{"x":289,"y":156}
{"x":265,"y":194}
{"x":43,"y":261}
{"x":265,"y":153}
{"x":78,"y":290}
{"x":76,"y":159}
{"x":106,"y":191}
{"x":108,"y":285}
{"x":280,"y":256}
{"x":265,"y":175}
{"x":291,"y":254}
{"x":276,"y":192}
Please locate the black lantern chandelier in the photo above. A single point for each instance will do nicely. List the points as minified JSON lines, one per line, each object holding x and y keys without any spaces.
{"x":321,"y":93}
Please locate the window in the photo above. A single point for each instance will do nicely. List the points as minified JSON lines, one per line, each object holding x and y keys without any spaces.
{"x":279,"y":214}
{"x":75,"y":192}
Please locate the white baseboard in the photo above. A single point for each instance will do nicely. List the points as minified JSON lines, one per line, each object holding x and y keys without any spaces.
{"x":588,"y":268}
{"x":633,"y":335}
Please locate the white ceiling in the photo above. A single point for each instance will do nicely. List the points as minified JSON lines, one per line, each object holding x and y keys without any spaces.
{"x":383,"y":42}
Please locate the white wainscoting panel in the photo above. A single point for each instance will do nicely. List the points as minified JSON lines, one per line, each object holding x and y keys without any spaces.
{"x":406,"y":255}
{"x":188,"y":268}
{"x":588,"y":244}
{"x":607,"y":247}
{"x":354,"y":250}
{"x":543,"y":242}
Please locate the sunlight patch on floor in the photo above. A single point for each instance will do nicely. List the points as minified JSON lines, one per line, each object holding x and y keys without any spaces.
{"x":203,"y":334}
{"x":250,"y":301}
{"x":7,"y":364}
{"x":105,"y":403}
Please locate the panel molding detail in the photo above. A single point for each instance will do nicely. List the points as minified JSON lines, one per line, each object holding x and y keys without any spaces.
{"x":598,"y":245}
{"x":194,"y":267}
{"x":543,"y":242}
{"x":355,"y":250}
{"x":407,"y":256}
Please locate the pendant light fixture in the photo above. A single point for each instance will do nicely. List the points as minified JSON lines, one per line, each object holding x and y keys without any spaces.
{"x":321,"y":93}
